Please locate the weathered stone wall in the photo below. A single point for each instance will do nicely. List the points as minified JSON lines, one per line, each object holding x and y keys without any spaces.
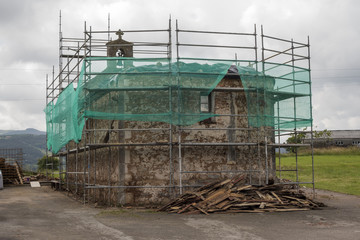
{"x":151,"y":165}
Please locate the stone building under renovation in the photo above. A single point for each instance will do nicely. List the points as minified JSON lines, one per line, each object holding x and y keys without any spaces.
{"x":134,"y":123}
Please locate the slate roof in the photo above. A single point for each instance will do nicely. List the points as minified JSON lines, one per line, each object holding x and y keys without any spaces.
{"x":345,"y":134}
{"x":342,"y":134}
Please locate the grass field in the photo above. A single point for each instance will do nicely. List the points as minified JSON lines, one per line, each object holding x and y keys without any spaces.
{"x":336,"y":169}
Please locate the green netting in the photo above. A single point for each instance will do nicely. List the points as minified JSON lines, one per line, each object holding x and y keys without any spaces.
{"x":159,"y":90}
{"x":147,"y":89}
{"x":278,"y":96}
{"x":62,"y":123}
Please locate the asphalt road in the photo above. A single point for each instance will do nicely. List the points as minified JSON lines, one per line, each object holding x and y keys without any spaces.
{"x":41,"y":213}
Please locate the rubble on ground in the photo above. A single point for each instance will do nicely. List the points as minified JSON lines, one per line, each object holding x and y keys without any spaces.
{"x":232,"y":196}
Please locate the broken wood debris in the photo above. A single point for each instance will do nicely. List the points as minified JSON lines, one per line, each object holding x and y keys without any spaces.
{"x":232,"y":196}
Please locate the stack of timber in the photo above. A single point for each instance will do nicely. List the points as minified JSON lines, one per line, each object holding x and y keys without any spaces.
{"x":232,"y":196}
{"x":12,"y":174}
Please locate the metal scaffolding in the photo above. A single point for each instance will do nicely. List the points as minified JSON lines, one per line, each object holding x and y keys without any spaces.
{"x":82,"y":177}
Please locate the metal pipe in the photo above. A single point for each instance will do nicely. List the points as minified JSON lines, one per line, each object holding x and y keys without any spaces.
{"x":284,"y":40}
{"x":217,"y":89}
{"x":60,"y":49}
{"x":171,"y":143}
{"x":311,"y":117}
{"x":67,"y":169}
{"x":278,"y":113}
{"x":46,"y":136}
{"x":130,"y":129}
{"x":108,"y":186}
{"x":294,"y":101}
{"x":278,"y":53}
{"x":133,"y":31}
{"x":266,"y":161}
{"x":109,"y":175}
{"x":212,"y":32}
{"x":224,"y":171}
{"x":180,"y":162}
{"x":296,"y":59}
{"x":211,"y":45}
{"x":218,"y":144}
{"x":200,"y":129}
{"x":289,"y":145}
{"x":92,"y":145}
{"x":286,"y":170}
{"x":108,"y":27}
{"x":84,"y":165}
{"x":143,"y":44}
{"x":170,"y":43}
{"x":292,"y":183}
{"x":95,"y":125}
{"x":76,"y":168}
{"x":282,"y":52}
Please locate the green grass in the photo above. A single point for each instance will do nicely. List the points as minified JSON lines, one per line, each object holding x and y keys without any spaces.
{"x":305,"y":151}
{"x":50,"y":173}
{"x":335,"y":169}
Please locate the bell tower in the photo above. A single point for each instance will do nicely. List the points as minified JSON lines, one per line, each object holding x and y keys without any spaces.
{"x":119,"y":47}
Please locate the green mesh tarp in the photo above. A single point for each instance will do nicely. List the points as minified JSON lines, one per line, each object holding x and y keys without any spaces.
{"x":158,"y":90}
{"x":61,"y":119}
{"x":147,"y":89}
{"x":278,"y":95}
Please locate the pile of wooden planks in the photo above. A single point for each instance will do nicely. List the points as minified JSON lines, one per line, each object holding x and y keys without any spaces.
{"x":232,"y":196}
{"x":11,"y":173}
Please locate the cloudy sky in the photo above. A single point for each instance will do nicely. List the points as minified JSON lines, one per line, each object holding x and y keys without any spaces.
{"x":29,"y":44}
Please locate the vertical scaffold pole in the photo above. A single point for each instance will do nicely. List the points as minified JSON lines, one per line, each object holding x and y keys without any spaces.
{"x":279,"y":132}
{"x":169,"y":55}
{"x":60,"y":52}
{"x":170,"y":39}
{"x":95,"y":137}
{"x":108,"y":27}
{"x":311,"y":117}
{"x":76,"y":167}
{"x":178,"y":108}
{"x":266,"y":161}
{"x":257,"y":103}
{"x":84,"y":160}
{"x":67,"y":169}
{"x":47,"y":152}
{"x":180,"y":163}
{"x":295,"y":116}
{"x":52,"y":166}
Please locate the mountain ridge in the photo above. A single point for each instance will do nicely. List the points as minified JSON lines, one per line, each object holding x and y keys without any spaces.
{"x":31,"y":141}
{"x":31,"y":131}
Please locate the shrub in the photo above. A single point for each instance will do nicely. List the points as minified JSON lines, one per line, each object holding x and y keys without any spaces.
{"x":49,"y":163}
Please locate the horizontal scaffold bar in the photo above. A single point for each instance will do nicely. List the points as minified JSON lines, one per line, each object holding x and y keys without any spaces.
{"x":210,"y":45}
{"x":288,"y":145}
{"x":213,"y":32}
{"x":218,"y":144}
{"x":92,"y":145}
{"x":292,"y":183}
{"x":106,"y":186}
{"x":224,"y":171}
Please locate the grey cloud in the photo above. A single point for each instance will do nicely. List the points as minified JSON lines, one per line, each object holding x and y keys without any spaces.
{"x":29,"y":34}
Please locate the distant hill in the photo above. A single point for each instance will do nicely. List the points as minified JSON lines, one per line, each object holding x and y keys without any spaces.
{"x":32,"y":142}
{"x":31,"y":131}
